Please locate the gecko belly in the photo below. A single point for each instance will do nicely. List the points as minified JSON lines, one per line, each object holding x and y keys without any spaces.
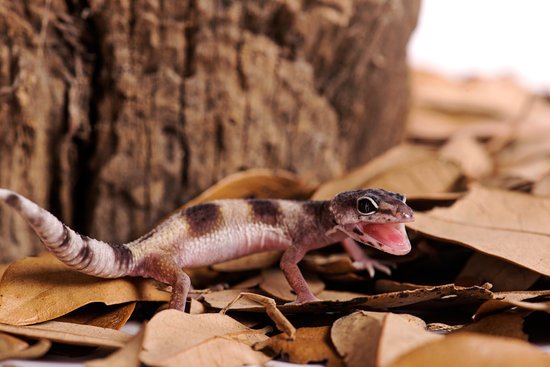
{"x":225,"y":244}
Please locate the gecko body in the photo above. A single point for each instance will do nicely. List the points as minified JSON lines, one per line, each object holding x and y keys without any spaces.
{"x":222,"y":230}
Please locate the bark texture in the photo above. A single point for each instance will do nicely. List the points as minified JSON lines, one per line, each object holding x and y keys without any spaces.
{"x":112,"y":113}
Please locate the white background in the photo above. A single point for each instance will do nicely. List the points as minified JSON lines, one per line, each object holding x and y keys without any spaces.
{"x":492,"y":37}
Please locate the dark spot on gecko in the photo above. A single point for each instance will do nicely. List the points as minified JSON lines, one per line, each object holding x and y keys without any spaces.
{"x":65,"y":237}
{"x":203,"y":218}
{"x":264,"y":211}
{"x":123,"y":256}
{"x":85,"y":252}
{"x":13,"y":201}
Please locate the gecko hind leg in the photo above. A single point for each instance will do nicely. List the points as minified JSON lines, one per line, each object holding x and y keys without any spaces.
{"x":165,"y":270}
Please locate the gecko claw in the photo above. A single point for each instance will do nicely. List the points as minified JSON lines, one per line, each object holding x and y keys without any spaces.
{"x":370,"y":265}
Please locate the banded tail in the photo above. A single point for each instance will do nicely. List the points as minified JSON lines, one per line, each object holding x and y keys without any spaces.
{"x":81,"y":253}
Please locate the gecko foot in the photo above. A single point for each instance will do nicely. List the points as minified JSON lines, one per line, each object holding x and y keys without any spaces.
{"x":370,"y":265}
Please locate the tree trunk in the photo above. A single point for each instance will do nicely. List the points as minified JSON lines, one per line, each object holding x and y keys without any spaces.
{"x":112,"y":113}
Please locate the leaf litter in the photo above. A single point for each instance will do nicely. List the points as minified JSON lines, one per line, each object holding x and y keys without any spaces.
{"x":476,"y":170}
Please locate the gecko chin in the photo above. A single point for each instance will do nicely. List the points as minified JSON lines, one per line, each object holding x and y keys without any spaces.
{"x":388,"y":237}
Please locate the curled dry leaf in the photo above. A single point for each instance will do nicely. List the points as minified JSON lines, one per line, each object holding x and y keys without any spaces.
{"x":528,"y":300}
{"x":36,"y":350}
{"x":256,"y":183}
{"x":377,"y":339}
{"x":503,"y":275}
{"x":312,"y":344}
{"x":541,"y":188}
{"x":127,"y":356}
{"x":68,"y":333}
{"x":333,"y":264}
{"x":98,"y":314}
{"x":10,"y":344}
{"x":41,"y":288}
{"x":275,"y":283}
{"x":442,"y":295}
{"x":408,"y":169}
{"x":171,"y":336}
{"x":474,"y":350}
{"x":510,"y":225}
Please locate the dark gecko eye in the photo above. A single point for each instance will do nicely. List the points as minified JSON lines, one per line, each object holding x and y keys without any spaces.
{"x":367,"y":206}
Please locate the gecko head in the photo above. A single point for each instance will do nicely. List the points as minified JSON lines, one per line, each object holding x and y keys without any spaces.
{"x":374,"y":217}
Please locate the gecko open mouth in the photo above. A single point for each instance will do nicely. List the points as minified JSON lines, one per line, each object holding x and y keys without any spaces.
{"x":388,"y":237}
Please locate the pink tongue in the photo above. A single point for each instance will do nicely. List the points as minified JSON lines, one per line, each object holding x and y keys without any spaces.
{"x":386,"y":233}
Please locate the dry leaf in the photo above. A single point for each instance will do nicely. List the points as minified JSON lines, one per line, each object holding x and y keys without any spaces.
{"x":469,"y":154}
{"x":37,"y":289}
{"x":503,"y":324}
{"x":274,"y":283}
{"x":98,"y":314}
{"x":408,"y":169}
{"x":474,"y":350}
{"x":312,"y":344}
{"x":9,"y":345}
{"x":217,"y":352}
{"x":127,"y":356}
{"x":442,"y":295}
{"x":377,"y":339}
{"x":261,"y":260}
{"x":171,"y":335}
{"x":504,"y":276}
{"x":512,"y":226}
{"x":256,"y":183}
{"x":528,"y":300}
{"x":36,"y":350}
{"x":64,"y":332}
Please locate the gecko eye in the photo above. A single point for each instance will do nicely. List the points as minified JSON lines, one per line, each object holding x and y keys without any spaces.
{"x":367,"y":206}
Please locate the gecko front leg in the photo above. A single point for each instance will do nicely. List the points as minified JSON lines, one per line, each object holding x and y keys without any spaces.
{"x":289,"y":265}
{"x":362,"y":261}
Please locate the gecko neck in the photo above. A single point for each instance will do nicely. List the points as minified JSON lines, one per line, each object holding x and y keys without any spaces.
{"x":327,"y":222}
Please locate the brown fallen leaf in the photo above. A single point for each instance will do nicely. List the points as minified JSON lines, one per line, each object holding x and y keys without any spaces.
{"x":528,"y":300}
{"x":261,"y":260}
{"x":3,"y":268}
{"x":171,"y":335}
{"x":274,"y":283}
{"x":377,"y":339}
{"x":442,"y":295}
{"x":96,"y":314}
{"x":312,"y":344}
{"x":502,"y":324}
{"x":217,"y":352}
{"x":510,"y":225}
{"x":41,"y":288}
{"x":68,"y":333}
{"x":256,"y":183}
{"x":469,"y":154}
{"x":474,"y":350}
{"x":408,"y":169}
{"x":504,"y":276}
{"x":127,"y":356}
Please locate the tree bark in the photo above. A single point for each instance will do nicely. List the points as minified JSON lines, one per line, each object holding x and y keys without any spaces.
{"x":112,"y":113}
